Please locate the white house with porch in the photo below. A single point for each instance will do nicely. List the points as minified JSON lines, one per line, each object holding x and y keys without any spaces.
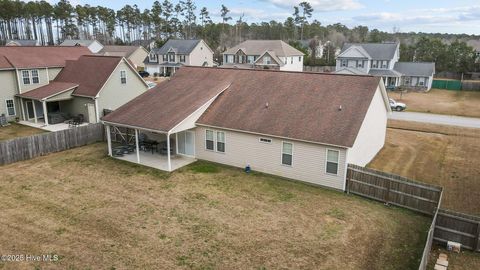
{"x":382,"y":60}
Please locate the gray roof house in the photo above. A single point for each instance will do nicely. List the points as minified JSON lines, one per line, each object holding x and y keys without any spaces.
{"x":263,"y":54}
{"x":22,"y":42}
{"x":382,"y":60}
{"x":176,"y":53}
{"x":93,"y":45}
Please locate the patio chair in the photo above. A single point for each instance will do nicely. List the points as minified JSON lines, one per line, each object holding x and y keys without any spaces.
{"x":163,"y":147}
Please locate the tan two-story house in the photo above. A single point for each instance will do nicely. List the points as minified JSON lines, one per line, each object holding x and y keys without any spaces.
{"x":176,"y":53}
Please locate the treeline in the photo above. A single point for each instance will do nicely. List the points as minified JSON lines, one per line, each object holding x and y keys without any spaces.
{"x":51,"y":24}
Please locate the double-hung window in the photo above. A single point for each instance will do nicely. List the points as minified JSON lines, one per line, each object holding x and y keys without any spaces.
{"x":123,"y":76}
{"x":182,"y":58}
{"x":332,"y":161}
{"x":215,"y":140}
{"x":266,"y":60}
{"x":153,"y":57}
{"x":35,"y":79}
{"x":344,"y":63}
{"x":10,"y":107}
{"x":221,"y":141}
{"x":165,"y":58}
{"x":171,"y":57}
{"x":209,"y":143}
{"x":26,"y":76}
{"x":287,"y":153}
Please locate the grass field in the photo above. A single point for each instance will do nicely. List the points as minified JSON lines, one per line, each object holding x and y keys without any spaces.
{"x":462,"y":103}
{"x":99,"y":213}
{"x":443,"y":155}
{"x":15,"y":130}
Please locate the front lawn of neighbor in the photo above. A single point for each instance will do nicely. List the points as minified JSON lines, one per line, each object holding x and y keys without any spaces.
{"x":99,"y":213}
{"x":15,"y":130}
{"x":462,"y":103}
{"x":447,"y":156}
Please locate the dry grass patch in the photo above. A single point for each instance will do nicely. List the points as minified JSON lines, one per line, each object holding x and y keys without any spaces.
{"x":15,"y":130}
{"x":100,"y":213}
{"x":462,"y":103}
{"x":442,"y":155}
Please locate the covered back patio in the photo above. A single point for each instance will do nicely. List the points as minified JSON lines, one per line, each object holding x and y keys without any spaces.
{"x":48,"y":107}
{"x":163,"y":151}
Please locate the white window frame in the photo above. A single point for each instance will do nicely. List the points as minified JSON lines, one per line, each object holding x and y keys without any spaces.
{"x":224,"y":141}
{"x":265,"y":140}
{"x":152,"y":57}
{"x":281,"y":154}
{"x":344,"y":62}
{"x":326,"y":161}
{"x":14,"y":109}
{"x":26,"y":72}
{"x":267,"y":60}
{"x":250,"y":59}
{"x":31,"y":76}
{"x":213,"y":139}
{"x":121,"y":76}
{"x":165,"y":57}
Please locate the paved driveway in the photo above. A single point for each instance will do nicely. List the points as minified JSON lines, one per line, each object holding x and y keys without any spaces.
{"x":437,"y":119}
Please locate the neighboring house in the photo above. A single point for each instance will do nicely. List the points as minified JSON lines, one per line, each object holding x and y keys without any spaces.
{"x":263,"y":54}
{"x":135,"y":54}
{"x":380,"y":59}
{"x":22,"y":42}
{"x":86,"y":88}
{"x":306,"y":44}
{"x":93,"y":45}
{"x":176,"y":53}
{"x":25,"y":68}
{"x":298,"y":125}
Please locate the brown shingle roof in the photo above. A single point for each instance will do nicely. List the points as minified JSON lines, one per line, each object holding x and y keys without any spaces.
{"x":40,"y":56}
{"x":51,"y":89}
{"x":302,"y":106}
{"x":89,"y":72}
{"x":166,"y":105}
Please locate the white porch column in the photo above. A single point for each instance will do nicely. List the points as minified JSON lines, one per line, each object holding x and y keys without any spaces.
{"x":45,"y":116}
{"x":164,"y":72}
{"x":176,"y":143}
{"x":168,"y":153}
{"x":137,"y":146}
{"x":34,"y":111}
{"x":109,"y":141}
{"x":97,"y":111}
{"x":23,"y":110}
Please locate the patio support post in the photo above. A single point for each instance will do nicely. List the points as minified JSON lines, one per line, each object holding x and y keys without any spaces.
{"x":168,"y":153}
{"x":176,"y":142}
{"x":23,"y":110}
{"x":45,"y":116}
{"x":137,"y":147}
{"x":34,"y":111}
{"x":109,"y":141}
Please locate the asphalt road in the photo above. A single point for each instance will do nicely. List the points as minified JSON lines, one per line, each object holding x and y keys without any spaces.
{"x":437,"y":119}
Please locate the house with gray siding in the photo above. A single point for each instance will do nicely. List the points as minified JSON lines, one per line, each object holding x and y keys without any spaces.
{"x":381,"y":59}
{"x":176,"y":53}
{"x":301,"y":126}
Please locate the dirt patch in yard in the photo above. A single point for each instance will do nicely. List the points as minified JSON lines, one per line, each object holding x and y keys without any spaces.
{"x":100,"y":213}
{"x":442,"y":155}
{"x":15,"y":130}
{"x":465,"y":260}
{"x":462,"y":103}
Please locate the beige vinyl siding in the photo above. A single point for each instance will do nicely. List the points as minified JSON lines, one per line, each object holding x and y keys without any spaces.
{"x":115,"y":94}
{"x":76,"y":106}
{"x":200,"y":55}
{"x":42,"y":76}
{"x":138,"y":57}
{"x":53,"y":72}
{"x":371,"y":137}
{"x":8,"y":90}
{"x":63,"y":96}
{"x":242,"y":149}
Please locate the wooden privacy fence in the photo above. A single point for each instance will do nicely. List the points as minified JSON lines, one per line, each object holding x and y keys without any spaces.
{"x":430,"y":237}
{"x":458,"y":227}
{"x":393,"y":189}
{"x":41,"y":144}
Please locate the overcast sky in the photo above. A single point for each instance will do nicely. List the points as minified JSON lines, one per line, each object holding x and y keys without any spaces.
{"x":444,"y":16}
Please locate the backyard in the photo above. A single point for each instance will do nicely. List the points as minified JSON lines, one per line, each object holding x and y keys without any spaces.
{"x":15,"y":130}
{"x":100,"y":213}
{"x":442,"y":155}
{"x":461,"y":103}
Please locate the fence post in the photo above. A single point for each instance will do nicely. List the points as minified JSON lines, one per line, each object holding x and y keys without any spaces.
{"x":476,"y":246}
{"x":387,"y":194}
